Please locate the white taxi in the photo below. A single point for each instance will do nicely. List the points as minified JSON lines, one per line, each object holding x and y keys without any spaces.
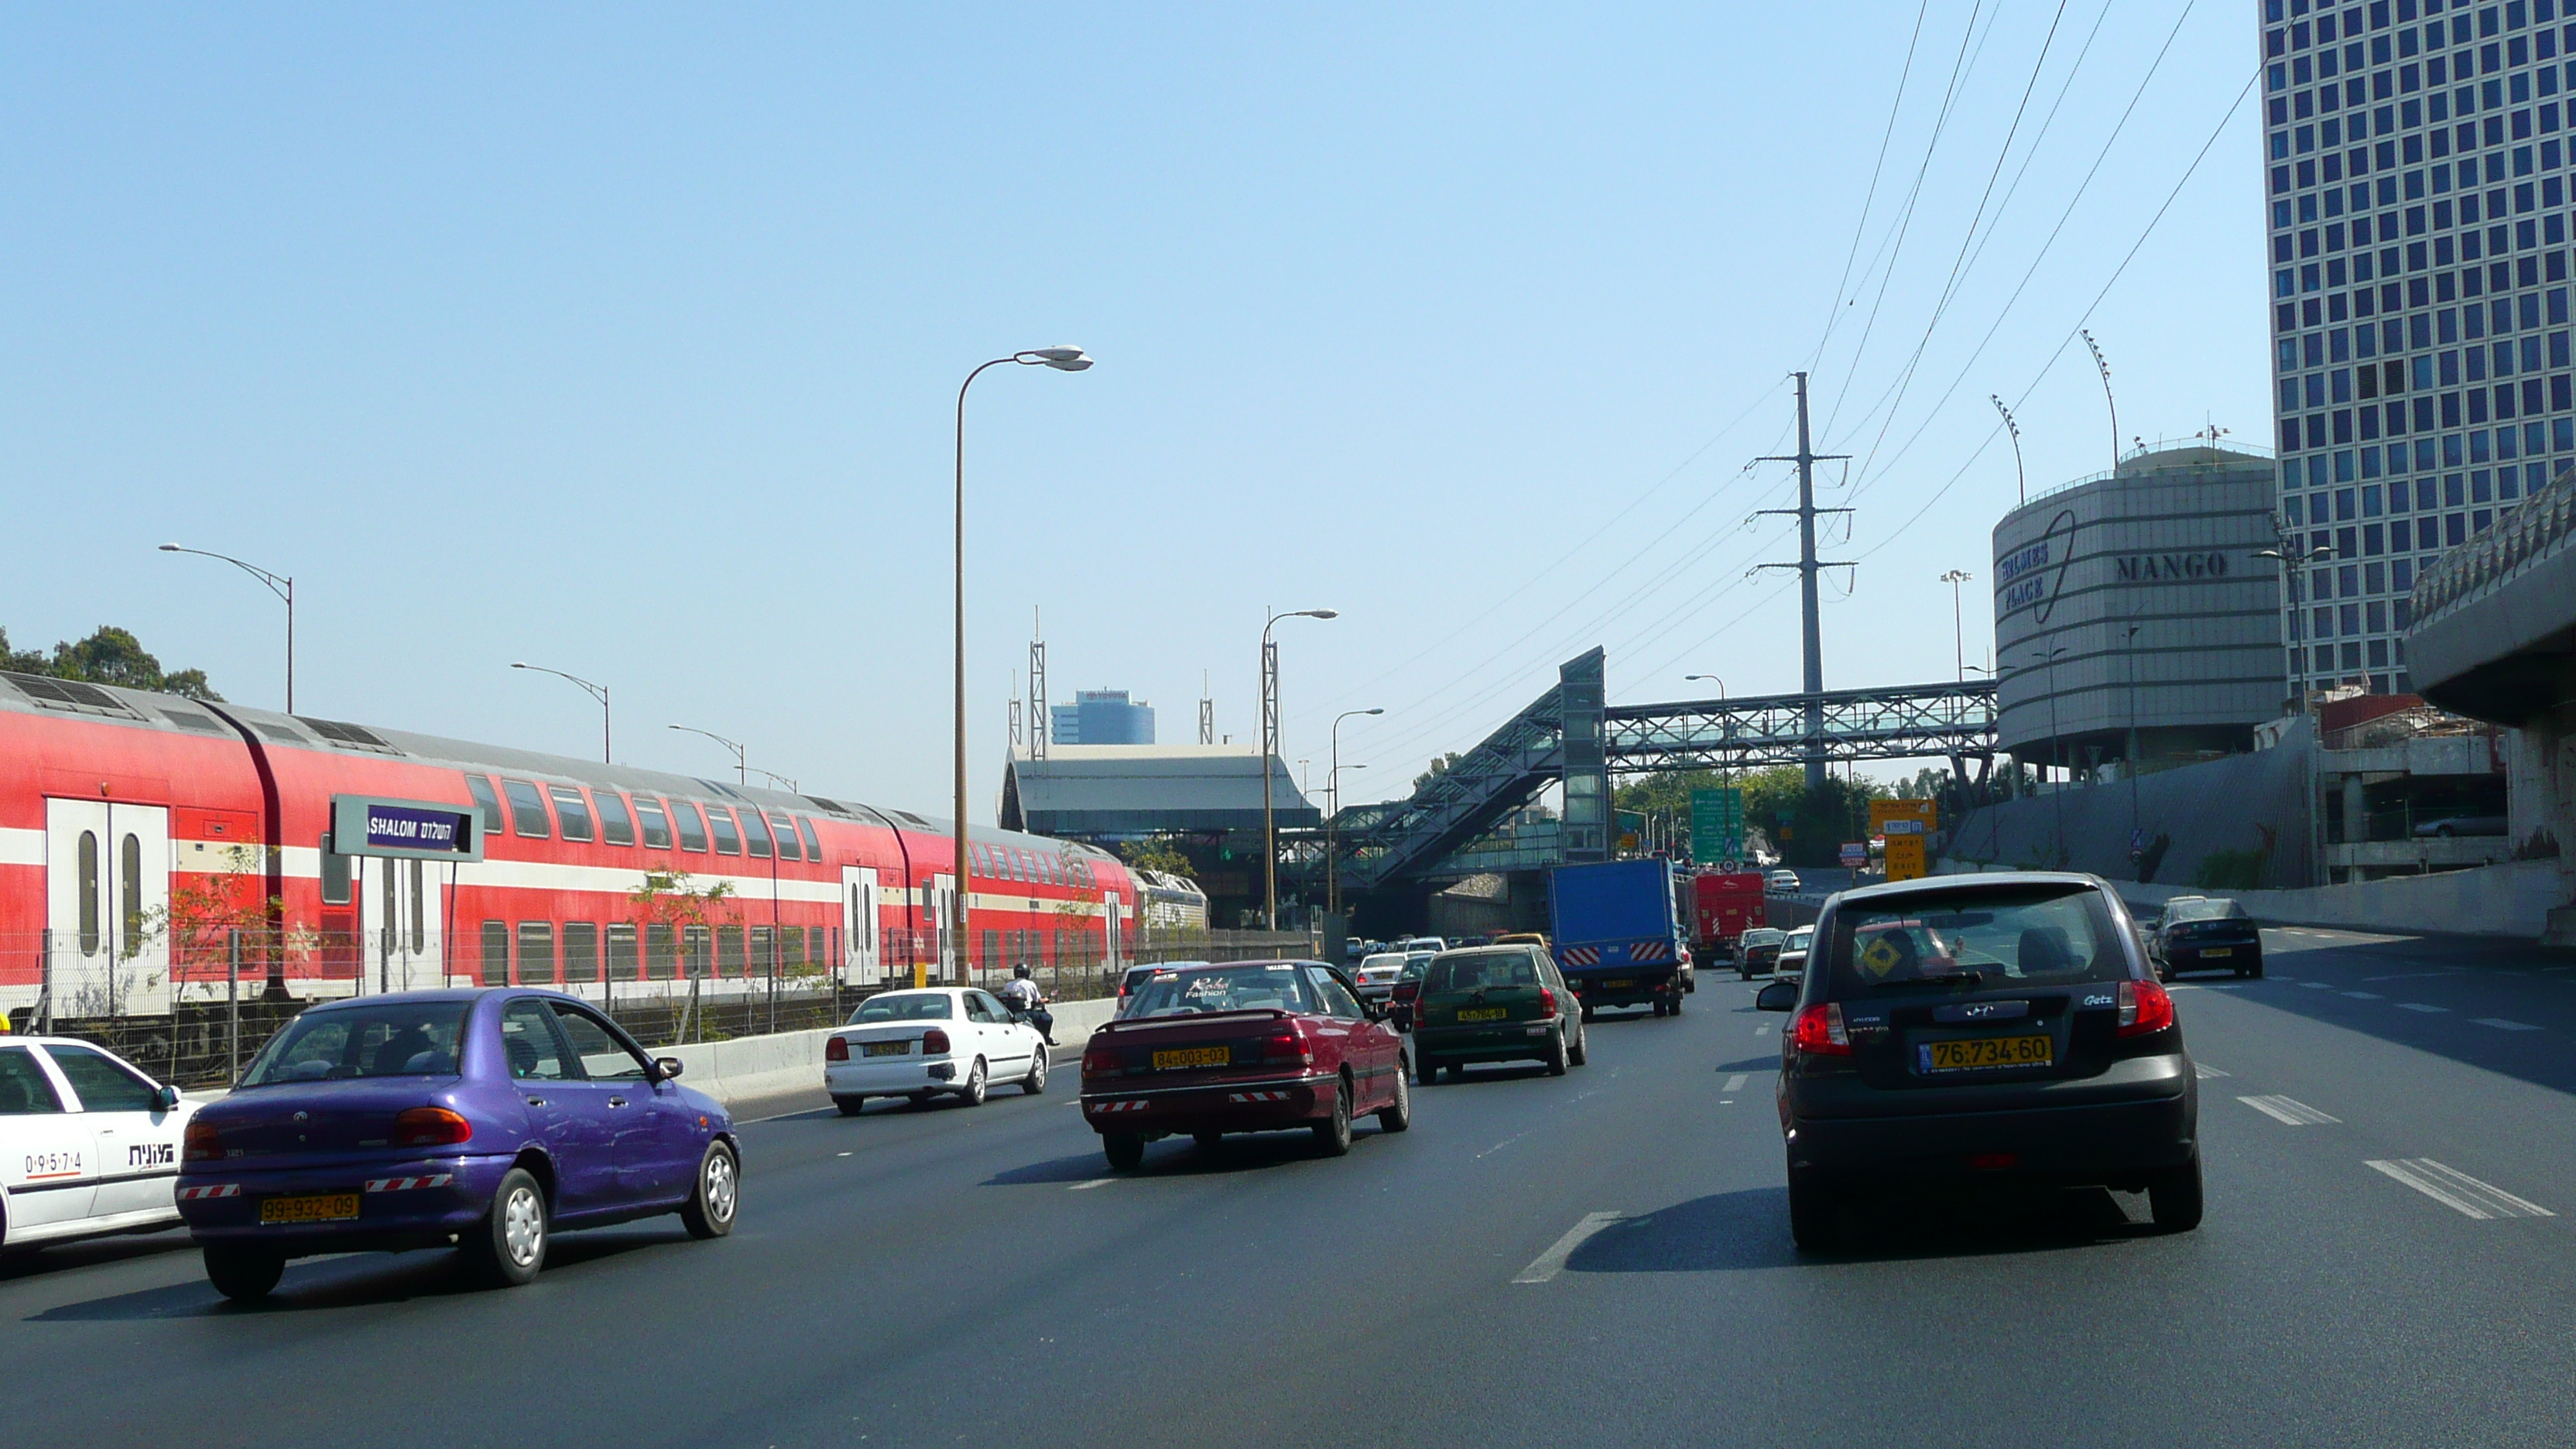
{"x":920,"y":1044}
{"x":88,"y":1145}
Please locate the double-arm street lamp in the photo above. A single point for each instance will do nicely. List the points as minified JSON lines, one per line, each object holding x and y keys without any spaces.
{"x":1269,"y":747}
{"x":596,"y":691}
{"x":742,"y":772}
{"x":278,"y":584}
{"x":1333,"y":807}
{"x":2291,"y":559}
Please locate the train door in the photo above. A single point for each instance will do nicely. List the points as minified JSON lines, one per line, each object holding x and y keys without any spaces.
{"x":1113,"y":916}
{"x":943,"y":925}
{"x":861,"y":929}
{"x":107,"y":904}
{"x":401,"y":922}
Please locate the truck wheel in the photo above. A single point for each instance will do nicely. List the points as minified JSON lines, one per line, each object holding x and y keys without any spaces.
{"x":1677,"y":1001}
{"x":1123,"y":1149}
{"x":1660,"y":1008}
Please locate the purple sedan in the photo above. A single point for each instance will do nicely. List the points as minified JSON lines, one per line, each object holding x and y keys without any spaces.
{"x":482,"y":1119}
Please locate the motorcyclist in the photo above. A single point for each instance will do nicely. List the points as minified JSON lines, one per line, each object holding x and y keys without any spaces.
{"x":1021,"y":994}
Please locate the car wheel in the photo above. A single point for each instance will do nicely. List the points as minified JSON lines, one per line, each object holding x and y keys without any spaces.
{"x":1123,"y":1149}
{"x":507,"y":1248}
{"x":1660,"y":1009}
{"x":973,"y":1091}
{"x":709,"y":1211}
{"x":849,"y":1105}
{"x":920,"y":1099}
{"x":1581,"y":1048}
{"x":1587,"y":1011}
{"x":2255,"y":970}
{"x":1457,"y":1073}
{"x":1426,"y":1071}
{"x":243,"y":1274}
{"x":1812,"y":1213}
{"x":1333,"y":1135}
{"x":1556,"y":1055}
{"x":1207,"y":1141}
{"x":1398,"y":1114}
{"x":1744,"y":973}
{"x":2173,"y":1197}
{"x":1676,"y":1008}
{"x":1035,"y":1082}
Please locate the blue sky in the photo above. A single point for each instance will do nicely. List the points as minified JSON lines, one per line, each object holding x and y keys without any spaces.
{"x":624,"y":340}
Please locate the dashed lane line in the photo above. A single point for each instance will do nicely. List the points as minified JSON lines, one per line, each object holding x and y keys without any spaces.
{"x":1734,"y":1083}
{"x":2318,"y":985}
{"x":1095,"y":1182}
{"x":2421,"y":1006}
{"x":2289,"y":1111}
{"x":2457,"y":1190}
{"x":1552,"y":1262}
{"x":1765,"y":1029}
{"x":2365,"y":996}
{"x":2205,"y":1071}
{"x":2502,"y":1024}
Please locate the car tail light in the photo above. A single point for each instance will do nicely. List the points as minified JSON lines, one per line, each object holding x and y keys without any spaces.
{"x":1407,"y":990}
{"x":1546,"y":1002}
{"x":431,"y":1127}
{"x":837,"y":1049}
{"x":934,"y":1042}
{"x":1101,"y":1061}
{"x":1820,"y":1031}
{"x":1286,"y":1046}
{"x":2145,"y":1006}
{"x":205,"y":1143}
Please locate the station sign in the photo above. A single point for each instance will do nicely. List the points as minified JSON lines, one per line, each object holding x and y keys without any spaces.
{"x":405,"y":829}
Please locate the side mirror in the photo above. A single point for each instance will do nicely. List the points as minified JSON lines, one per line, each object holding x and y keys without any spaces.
{"x":1776,"y":996}
{"x":668,"y":1068}
{"x":166,"y":1100}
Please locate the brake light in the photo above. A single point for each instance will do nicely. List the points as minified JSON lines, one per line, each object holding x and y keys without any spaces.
{"x":1407,"y":990}
{"x":1546,"y":1002}
{"x":1286,"y":1046}
{"x":934,"y":1042}
{"x":1820,"y":1033}
{"x":205,"y":1144}
{"x":2145,"y":1006}
{"x":431,"y":1127}
{"x":837,"y":1049}
{"x":1101,"y":1061}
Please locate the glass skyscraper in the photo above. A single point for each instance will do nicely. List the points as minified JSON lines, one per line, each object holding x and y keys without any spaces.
{"x":2416,"y":188}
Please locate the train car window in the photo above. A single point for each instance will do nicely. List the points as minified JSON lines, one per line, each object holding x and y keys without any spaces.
{"x":729,"y":957}
{"x":657,"y":826}
{"x":571,"y":811}
{"x":755,"y":832}
{"x":813,"y":847}
{"x":621,"y":951}
{"x":693,"y":950}
{"x":536,"y":953}
{"x":615,"y":826}
{"x":762,"y":961}
{"x":728,"y":840}
{"x":661,"y":952}
{"x":785,"y":830}
{"x":527,"y":810}
{"x":335,"y":874}
{"x":480,"y":787}
{"x":496,"y":953}
{"x":1052,"y":869}
{"x":685,"y":816}
{"x":580,"y":951}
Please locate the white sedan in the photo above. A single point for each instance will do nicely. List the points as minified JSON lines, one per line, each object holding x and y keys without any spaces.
{"x":920,"y":1044}
{"x":88,"y":1145}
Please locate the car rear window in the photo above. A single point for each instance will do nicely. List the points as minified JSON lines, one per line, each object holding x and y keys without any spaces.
{"x":2205,"y":911}
{"x":902,"y":1006}
{"x":414,"y":1039}
{"x":1480,"y":971}
{"x":1200,"y":989}
{"x":2042,"y":935}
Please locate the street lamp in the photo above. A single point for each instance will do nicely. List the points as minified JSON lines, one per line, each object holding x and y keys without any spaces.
{"x":2132,"y":652}
{"x":1062,"y":359}
{"x":2056,"y":794}
{"x":1270,"y":746}
{"x":2289,"y":557}
{"x":782,"y":782}
{"x":1958,"y":626}
{"x":1333,"y":789}
{"x":278,"y":584}
{"x":1711,"y":678}
{"x":2021,"y":480}
{"x":742,"y":773}
{"x":597,"y":691}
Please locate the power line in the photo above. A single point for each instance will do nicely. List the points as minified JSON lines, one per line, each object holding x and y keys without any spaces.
{"x":1860,"y":225}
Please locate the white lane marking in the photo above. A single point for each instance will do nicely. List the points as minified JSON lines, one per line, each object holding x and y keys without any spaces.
{"x":1095,"y":1182}
{"x":840,"y":1154}
{"x":1552,"y":1262}
{"x":1763,"y":1030}
{"x":2183,"y":986}
{"x":2419,"y":1006}
{"x":2205,"y":1071}
{"x":2318,"y":985}
{"x":2501,"y":1024}
{"x":2277,"y":976}
{"x":2457,"y":1190}
{"x":2289,"y":1111}
{"x":2365,"y":996}
{"x":1499,"y":1146}
{"x":1734,"y":1083}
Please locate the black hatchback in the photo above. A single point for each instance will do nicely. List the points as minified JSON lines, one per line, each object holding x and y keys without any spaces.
{"x":2205,"y":933}
{"x":1983,"y":1029}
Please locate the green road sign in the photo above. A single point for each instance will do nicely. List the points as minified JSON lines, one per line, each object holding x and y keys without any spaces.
{"x":1717,"y":824}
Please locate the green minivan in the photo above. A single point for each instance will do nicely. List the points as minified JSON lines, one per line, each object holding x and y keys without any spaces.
{"x":1494,"y":1004}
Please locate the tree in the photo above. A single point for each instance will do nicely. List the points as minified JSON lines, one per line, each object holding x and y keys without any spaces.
{"x":108,"y":656}
{"x":1159,"y":855}
{"x":1440,"y":765}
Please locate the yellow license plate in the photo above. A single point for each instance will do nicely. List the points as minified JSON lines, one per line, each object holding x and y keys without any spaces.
{"x":885,"y":1048}
{"x":2218,"y":950}
{"x":1191,"y":1057}
{"x":1621,"y":982}
{"x":1483,"y":1013}
{"x":326,"y":1207}
{"x":1986,"y":1052}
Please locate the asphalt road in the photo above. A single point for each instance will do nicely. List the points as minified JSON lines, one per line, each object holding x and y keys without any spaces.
{"x":1602,"y":1258}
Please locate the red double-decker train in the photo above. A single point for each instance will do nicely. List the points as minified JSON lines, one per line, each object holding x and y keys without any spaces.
{"x":157,"y":851}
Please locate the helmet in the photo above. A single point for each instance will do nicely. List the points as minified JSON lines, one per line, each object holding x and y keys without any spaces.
{"x":1020,"y":971}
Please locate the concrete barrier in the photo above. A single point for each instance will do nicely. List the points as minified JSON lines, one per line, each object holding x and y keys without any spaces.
{"x":2514,"y":899}
{"x":792,"y":1061}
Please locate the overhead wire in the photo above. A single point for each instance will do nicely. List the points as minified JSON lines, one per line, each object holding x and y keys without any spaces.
{"x":1869,"y":198}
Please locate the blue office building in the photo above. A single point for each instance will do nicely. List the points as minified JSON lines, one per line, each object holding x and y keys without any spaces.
{"x":1101,"y":717}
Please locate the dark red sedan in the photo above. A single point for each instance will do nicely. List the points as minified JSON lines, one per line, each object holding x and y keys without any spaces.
{"x":1242,"y":1046}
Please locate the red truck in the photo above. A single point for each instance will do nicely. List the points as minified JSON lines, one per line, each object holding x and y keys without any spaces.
{"x":1723,"y":907}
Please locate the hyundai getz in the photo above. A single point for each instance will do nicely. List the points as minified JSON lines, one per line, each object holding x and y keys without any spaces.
{"x":1992,"y":1028}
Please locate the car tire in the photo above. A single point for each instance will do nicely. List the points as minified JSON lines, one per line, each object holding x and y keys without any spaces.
{"x":1207,"y":1141}
{"x":508,"y":1247}
{"x":1813,"y":1210}
{"x":1397,"y":1115}
{"x":974,"y":1091}
{"x":244,"y":1275}
{"x":1676,"y":1008}
{"x":1333,"y":1134}
{"x":1426,"y":1071}
{"x":2254,"y":968}
{"x":920,"y":1099}
{"x":1588,"y":1012}
{"x":1556,"y":1054}
{"x":1660,"y":1008}
{"x":710,"y":1209}
{"x":1125,"y":1150}
{"x":1035,"y":1082}
{"x":849,"y":1105}
{"x":2174,"y":1197}
{"x":1457,"y":1073}
{"x":1744,"y":973}
{"x":1582,"y":1047}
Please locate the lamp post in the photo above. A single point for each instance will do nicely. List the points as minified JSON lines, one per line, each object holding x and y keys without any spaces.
{"x":596,"y":691}
{"x":742,"y":773}
{"x":1062,"y":359}
{"x":1711,"y":678}
{"x":2288,"y":555}
{"x":1270,"y":746}
{"x":2056,"y":794}
{"x":2103,"y":365}
{"x":2132,"y":653}
{"x":278,"y":584}
{"x":1333,"y":789}
{"x":2021,"y":480}
{"x":1958,"y":624}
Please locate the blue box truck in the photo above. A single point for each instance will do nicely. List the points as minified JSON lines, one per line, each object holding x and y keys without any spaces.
{"x":1616,"y":935}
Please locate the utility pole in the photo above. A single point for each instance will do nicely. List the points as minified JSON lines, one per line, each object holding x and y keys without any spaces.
{"x":1811,"y":630}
